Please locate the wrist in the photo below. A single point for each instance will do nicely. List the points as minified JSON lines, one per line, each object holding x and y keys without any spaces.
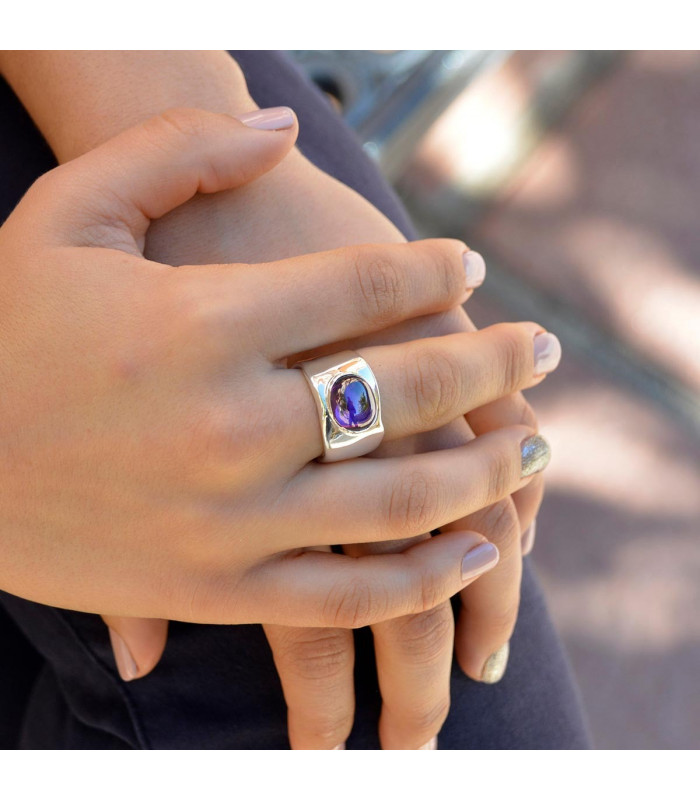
{"x":101,"y":93}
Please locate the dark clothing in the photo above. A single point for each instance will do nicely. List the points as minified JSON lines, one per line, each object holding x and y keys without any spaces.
{"x":217,"y":686}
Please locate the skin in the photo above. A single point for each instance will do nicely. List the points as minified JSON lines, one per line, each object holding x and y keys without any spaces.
{"x":273,"y":219}
{"x":121,"y":463}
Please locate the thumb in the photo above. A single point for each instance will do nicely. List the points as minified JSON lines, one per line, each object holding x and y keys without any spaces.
{"x":152,"y":168}
{"x":137,"y":644}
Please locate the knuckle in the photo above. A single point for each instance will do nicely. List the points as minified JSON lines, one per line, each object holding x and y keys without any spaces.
{"x":423,"y":638}
{"x":500,"y":474}
{"x":175,"y":123}
{"x":514,"y":362}
{"x":429,"y":718}
{"x":329,"y":729}
{"x":413,"y":503}
{"x":316,"y":654}
{"x":211,"y":439}
{"x":353,"y":605}
{"x":432,"y":589}
{"x":197,"y":320}
{"x":330,"y":732}
{"x":208,"y":318}
{"x":447,"y":270}
{"x":211,"y":436}
{"x":435,"y":383}
{"x":179,"y":129}
{"x":381,"y":288}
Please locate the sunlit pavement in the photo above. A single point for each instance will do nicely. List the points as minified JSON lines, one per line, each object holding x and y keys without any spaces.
{"x":593,"y":230}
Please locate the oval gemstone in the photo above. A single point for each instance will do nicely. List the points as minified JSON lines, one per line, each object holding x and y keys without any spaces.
{"x":351,"y":402}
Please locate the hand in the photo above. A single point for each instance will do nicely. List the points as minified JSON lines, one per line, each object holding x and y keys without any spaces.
{"x":135,"y":85}
{"x":141,"y":418}
{"x":202,"y":229}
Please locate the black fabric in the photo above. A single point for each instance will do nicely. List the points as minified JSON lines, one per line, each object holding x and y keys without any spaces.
{"x":20,"y":667}
{"x":216,"y":686}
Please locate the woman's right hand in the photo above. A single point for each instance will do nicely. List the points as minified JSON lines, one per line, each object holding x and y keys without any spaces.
{"x":158,"y":457}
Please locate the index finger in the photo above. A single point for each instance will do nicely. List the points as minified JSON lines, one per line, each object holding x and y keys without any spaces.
{"x":351,"y":291}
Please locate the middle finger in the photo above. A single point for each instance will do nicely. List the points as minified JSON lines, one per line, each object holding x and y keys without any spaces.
{"x":380,"y":499}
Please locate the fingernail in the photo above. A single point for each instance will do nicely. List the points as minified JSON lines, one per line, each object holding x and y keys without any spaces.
{"x":479,"y":559}
{"x":534,"y":455}
{"x":340,"y":746}
{"x":128,"y":669}
{"x":431,"y":745}
{"x":547,"y":353}
{"x":495,"y":665}
{"x":527,"y":541}
{"x":268,"y":119}
{"x":475,"y":267}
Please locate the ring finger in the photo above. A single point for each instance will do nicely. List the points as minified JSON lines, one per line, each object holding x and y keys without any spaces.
{"x":427,"y":383}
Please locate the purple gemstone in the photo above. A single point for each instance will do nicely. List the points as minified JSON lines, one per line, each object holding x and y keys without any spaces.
{"x":351,"y":402}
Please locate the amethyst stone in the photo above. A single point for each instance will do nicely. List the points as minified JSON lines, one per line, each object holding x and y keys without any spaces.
{"x":352,"y":403}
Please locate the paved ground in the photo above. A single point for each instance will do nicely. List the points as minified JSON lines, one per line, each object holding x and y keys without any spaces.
{"x":595,"y":234}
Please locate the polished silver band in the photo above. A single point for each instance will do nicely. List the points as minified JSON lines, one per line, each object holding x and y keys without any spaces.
{"x":347,"y":399}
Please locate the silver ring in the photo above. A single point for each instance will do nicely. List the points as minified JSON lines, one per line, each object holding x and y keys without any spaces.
{"x":347,"y":400}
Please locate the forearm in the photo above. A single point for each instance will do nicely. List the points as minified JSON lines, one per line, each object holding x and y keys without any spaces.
{"x":78,"y":99}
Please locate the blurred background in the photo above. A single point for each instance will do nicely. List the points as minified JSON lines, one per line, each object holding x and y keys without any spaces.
{"x":577,"y":176}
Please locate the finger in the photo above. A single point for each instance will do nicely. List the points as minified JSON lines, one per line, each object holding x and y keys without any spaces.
{"x":414,"y":661}
{"x":509,"y":410}
{"x":489,"y":610}
{"x":152,"y":168}
{"x":315,"y":666}
{"x":489,"y":607}
{"x":396,"y":498}
{"x":514,"y":410}
{"x":414,"y":658}
{"x":356,"y":290}
{"x":427,"y":383}
{"x":137,"y":644}
{"x":329,"y":590}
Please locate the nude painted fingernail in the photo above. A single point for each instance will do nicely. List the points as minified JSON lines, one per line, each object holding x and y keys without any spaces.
{"x":479,"y":559}
{"x":431,"y":745}
{"x":547,"y":353}
{"x":340,"y":746}
{"x":128,"y":669}
{"x":495,"y":665}
{"x":475,"y":267}
{"x":527,"y":541}
{"x":268,"y":119}
{"x":534,"y":455}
